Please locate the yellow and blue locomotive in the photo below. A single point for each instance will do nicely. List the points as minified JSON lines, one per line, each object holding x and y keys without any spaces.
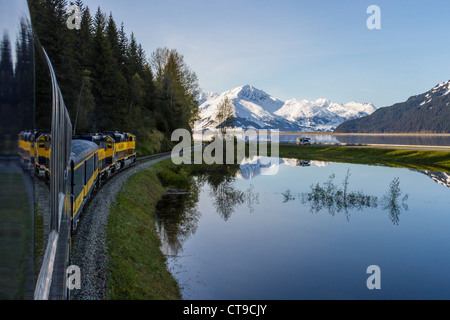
{"x":94,"y":158}
{"x":116,"y":150}
{"x":42,"y":154}
{"x":72,"y":166}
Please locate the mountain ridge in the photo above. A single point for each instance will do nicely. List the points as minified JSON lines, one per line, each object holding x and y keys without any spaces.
{"x":428,"y":112}
{"x":254,"y":108}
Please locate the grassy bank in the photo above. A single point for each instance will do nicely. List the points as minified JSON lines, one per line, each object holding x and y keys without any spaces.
{"x":137,"y":269}
{"x":421,"y":160}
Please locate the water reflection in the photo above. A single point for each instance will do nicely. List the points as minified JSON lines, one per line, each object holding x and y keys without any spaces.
{"x":251,"y":168}
{"x":391,"y":201}
{"x":389,"y":139}
{"x":280,"y":239}
{"x":251,"y":198}
{"x":17,"y":110}
{"x":335,"y":199}
{"x":177,"y":218}
{"x":226,"y":198}
{"x":221,"y":180}
{"x":177,"y":214}
{"x":442,"y":178}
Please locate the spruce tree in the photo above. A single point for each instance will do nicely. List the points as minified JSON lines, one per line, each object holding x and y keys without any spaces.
{"x":105,"y":78}
{"x":109,"y":84}
{"x":123,"y":48}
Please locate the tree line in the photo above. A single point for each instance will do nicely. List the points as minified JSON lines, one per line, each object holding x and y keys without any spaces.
{"x":16,"y":84}
{"x":107,"y":80}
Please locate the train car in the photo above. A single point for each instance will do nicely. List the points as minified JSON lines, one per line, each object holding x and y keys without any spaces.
{"x":72,"y":167}
{"x":124,"y":149}
{"x":105,"y":152}
{"x":94,"y":157}
{"x":84,"y":173}
{"x":43,"y":153}
{"x":116,"y":151}
{"x":26,"y":146}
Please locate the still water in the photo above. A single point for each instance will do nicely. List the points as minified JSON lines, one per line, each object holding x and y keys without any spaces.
{"x":441,"y":140}
{"x":386,"y":139}
{"x":310,"y":232}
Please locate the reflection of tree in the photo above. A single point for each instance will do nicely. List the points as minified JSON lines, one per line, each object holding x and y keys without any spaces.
{"x":177,"y":218}
{"x":221,"y":179}
{"x":214,"y":175}
{"x":336,"y":200}
{"x":251,"y":198}
{"x":226,"y":198}
{"x":177,"y":214}
{"x":17,"y":83}
{"x":288,"y":196}
{"x":391,"y":201}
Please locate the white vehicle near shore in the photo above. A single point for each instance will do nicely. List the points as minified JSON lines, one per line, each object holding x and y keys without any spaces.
{"x":304,"y":141}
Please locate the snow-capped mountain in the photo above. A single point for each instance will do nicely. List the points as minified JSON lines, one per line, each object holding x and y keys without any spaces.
{"x":323,"y":115}
{"x":254,"y":108}
{"x":442,"y":89}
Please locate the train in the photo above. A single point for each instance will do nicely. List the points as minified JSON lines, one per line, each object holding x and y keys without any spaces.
{"x":73,"y":166}
{"x":94,"y":158}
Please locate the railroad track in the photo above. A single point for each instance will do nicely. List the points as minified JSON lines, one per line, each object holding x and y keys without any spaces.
{"x":138,"y":161}
{"x":153,"y":157}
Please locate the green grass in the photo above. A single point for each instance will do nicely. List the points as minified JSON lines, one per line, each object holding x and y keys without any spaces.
{"x":420,"y":160}
{"x":137,"y":267}
{"x":175,"y":176}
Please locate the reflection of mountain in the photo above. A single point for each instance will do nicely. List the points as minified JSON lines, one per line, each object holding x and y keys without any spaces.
{"x":304,"y":163}
{"x":296,"y":163}
{"x":320,"y":164}
{"x":251,"y":168}
{"x":440,"y":177}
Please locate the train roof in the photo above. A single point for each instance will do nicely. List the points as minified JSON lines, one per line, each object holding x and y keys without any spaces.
{"x":81,"y":149}
{"x":119,"y":136}
{"x":90,"y":137}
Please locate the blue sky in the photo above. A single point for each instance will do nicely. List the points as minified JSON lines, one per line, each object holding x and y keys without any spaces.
{"x":299,"y":49}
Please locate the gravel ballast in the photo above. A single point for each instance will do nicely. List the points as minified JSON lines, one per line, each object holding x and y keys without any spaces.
{"x":89,"y":248}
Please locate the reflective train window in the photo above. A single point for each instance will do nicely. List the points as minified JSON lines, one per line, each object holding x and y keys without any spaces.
{"x":89,"y":168}
{"x":78,"y":181}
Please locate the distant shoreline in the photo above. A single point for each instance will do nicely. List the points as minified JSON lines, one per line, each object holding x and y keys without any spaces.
{"x":340,"y":134}
{"x":366,"y":134}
